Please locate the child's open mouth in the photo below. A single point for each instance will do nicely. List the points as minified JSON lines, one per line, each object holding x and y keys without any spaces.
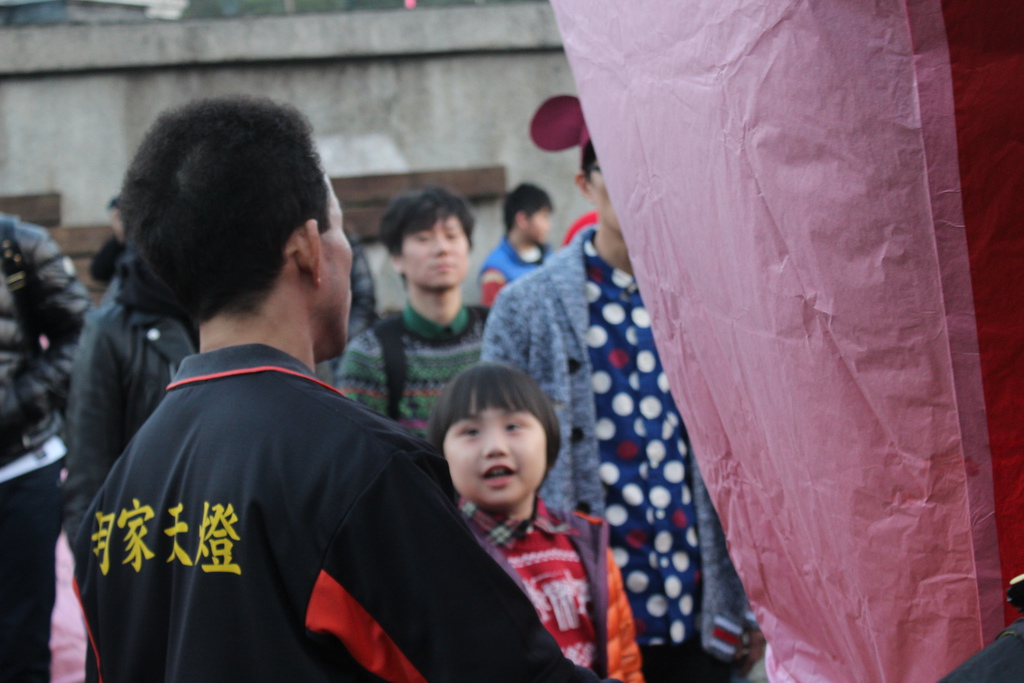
{"x":498,"y":476}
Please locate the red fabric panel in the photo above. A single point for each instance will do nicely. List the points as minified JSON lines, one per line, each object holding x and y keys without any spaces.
{"x":986,"y":46}
{"x":88,"y":629}
{"x":332,"y":610}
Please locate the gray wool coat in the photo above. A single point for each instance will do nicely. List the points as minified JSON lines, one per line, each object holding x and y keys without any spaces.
{"x":539,"y":323}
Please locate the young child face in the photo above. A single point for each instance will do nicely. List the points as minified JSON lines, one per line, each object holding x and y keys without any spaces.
{"x":497,"y":460}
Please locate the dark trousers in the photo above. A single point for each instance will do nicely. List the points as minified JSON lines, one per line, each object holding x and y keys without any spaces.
{"x":686,"y":663}
{"x":30,"y":510}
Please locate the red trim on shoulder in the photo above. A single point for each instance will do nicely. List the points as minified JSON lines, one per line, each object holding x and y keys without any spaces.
{"x":332,"y":610}
{"x":249,"y":371}
{"x":88,"y":631}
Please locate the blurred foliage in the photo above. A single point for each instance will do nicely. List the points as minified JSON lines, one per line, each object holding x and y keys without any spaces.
{"x":232,"y":8}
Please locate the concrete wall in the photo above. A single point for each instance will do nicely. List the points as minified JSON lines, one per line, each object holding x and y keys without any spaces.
{"x":386,"y":92}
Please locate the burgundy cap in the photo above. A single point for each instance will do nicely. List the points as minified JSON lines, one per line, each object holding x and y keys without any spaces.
{"x":558,"y":124}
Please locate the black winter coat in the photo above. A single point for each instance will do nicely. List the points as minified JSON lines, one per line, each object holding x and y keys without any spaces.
{"x":126,"y":359}
{"x":33,"y":381}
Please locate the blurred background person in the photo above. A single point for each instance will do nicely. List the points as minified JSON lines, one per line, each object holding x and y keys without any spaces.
{"x":527,"y":212}
{"x":40,"y":299}
{"x":104,"y":265}
{"x":128,"y":353}
{"x":400,"y":365}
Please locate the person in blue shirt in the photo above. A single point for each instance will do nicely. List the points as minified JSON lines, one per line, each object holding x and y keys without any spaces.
{"x":527,"y":212}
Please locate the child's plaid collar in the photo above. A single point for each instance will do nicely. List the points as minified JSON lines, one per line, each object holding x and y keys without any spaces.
{"x":503,"y":531}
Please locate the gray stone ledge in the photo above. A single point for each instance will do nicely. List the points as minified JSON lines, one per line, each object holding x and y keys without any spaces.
{"x":345,"y":35}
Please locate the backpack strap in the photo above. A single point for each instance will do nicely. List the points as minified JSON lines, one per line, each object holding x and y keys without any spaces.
{"x":480,"y":311}
{"x":389,"y":333}
{"x":16,"y":277}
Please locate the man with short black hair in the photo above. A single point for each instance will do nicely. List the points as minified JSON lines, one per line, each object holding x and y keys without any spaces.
{"x":261,"y":527}
{"x":400,"y":366}
{"x":527,"y":210}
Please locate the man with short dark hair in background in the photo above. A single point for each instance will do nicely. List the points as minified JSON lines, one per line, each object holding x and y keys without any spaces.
{"x":260,"y":526}
{"x":400,"y":366}
{"x":527,"y":211}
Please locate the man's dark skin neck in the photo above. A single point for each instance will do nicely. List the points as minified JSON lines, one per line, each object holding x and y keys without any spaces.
{"x":282,"y":320}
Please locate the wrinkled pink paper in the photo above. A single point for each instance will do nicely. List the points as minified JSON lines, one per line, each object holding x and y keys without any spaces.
{"x":786,"y":177}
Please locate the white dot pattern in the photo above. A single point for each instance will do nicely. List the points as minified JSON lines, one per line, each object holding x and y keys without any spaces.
{"x":663,"y":383}
{"x":633,"y":494}
{"x":604,"y":429}
{"x":621,"y":279}
{"x":657,"y":605}
{"x":609,"y":473}
{"x":660,"y":497}
{"x":655,"y":452}
{"x":686,"y":605}
{"x":616,"y":515}
{"x":681,"y":561}
{"x":614,"y":313}
{"x":622,"y":404}
{"x":650,"y":407}
{"x":674,"y":472}
{"x":637,"y":582}
{"x":646,"y":361}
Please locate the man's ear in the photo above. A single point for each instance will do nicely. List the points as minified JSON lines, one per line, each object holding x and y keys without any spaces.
{"x":303,"y":249}
{"x":583,"y":183}
{"x":521,"y":219}
{"x":397,"y":264}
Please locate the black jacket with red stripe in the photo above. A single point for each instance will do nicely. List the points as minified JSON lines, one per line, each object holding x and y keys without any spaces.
{"x":262,"y":527}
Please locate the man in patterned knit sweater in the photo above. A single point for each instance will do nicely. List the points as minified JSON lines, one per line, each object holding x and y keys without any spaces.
{"x":399,"y":367}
